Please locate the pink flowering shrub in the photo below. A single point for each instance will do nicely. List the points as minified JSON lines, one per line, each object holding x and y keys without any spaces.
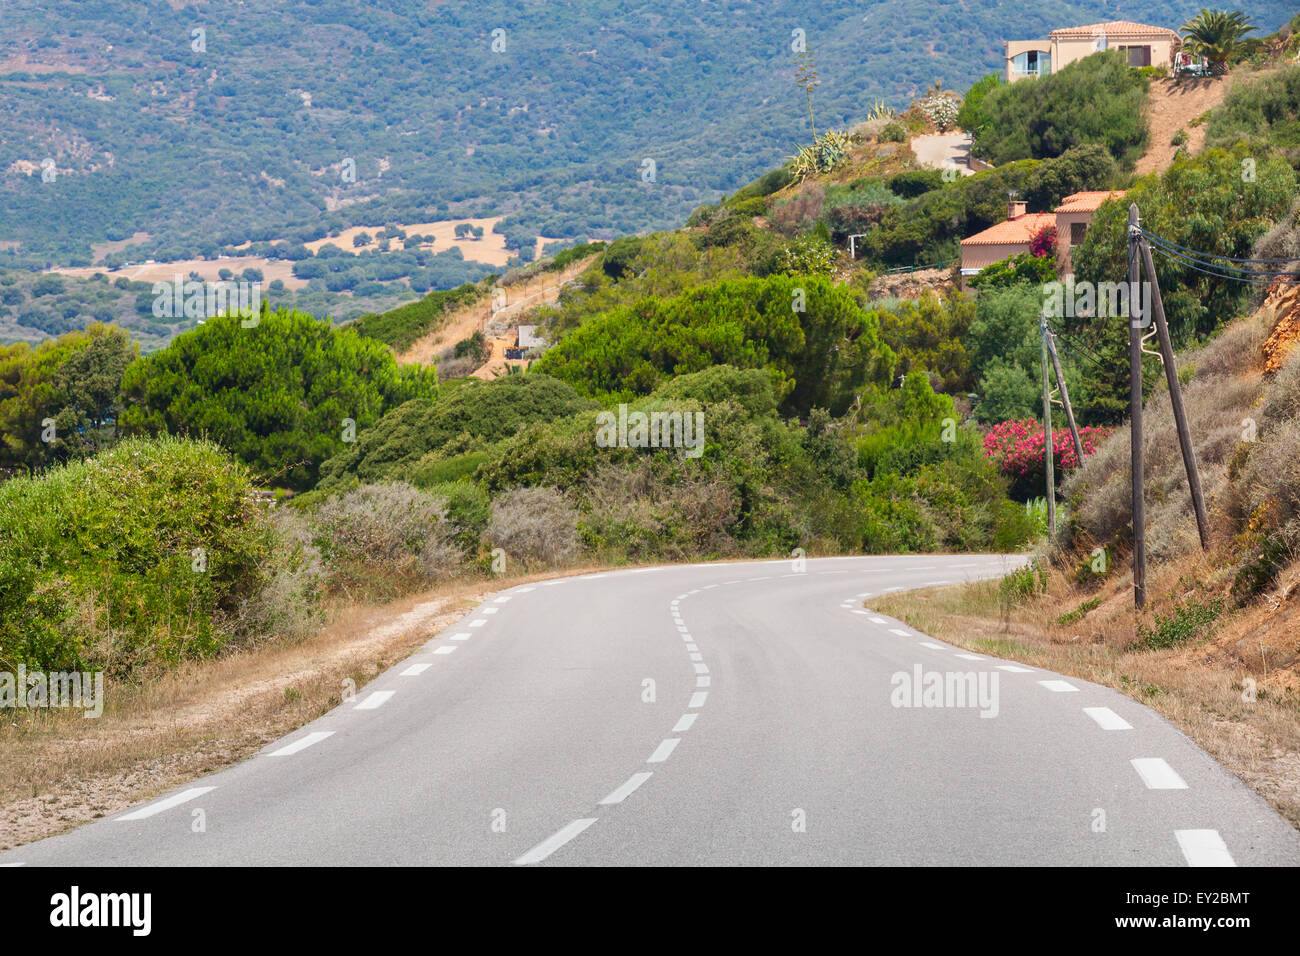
{"x":1043,"y":242}
{"x":1016,"y":447}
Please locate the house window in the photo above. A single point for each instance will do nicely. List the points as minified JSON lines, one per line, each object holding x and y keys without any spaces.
{"x":1031,"y":63}
{"x":1138,"y":55}
{"x":1077,"y":231}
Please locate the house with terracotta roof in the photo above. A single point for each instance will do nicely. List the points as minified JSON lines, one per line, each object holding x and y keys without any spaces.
{"x":1073,"y":216}
{"x":1013,"y":236}
{"x":1143,"y":45}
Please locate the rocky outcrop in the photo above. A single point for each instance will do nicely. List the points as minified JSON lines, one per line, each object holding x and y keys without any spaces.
{"x":1284,"y":299}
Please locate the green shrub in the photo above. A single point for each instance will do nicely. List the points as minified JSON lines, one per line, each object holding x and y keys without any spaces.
{"x":749,"y":207}
{"x":411,"y":440}
{"x":535,"y":527}
{"x":279,"y":395}
{"x":914,"y":182}
{"x":1014,"y":527}
{"x":1022,"y":584}
{"x":142,"y":555}
{"x":468,"y":511}
{"x":620,"y":254}
{"x":893,"y":133}
{"x":1072,"y":617}
{"x":820,"y":355}
{"x":971,"y":117}
{"x":1187,"y":620}
{"x":1263,"y":110}
{"x":1098,"y":99}
{"x":381,"y":540}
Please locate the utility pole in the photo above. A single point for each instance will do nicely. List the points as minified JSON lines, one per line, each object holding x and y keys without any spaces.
{"x":1135,"y":421}
{"x":1048,"y":453}
{"x":1175,"y":395}
{"x":1065,"y":392}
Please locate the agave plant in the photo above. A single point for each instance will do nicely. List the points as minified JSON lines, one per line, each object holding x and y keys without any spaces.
{"x":880,"y":110}
{"x":826,"y":153}
{"x":1216,"y":35}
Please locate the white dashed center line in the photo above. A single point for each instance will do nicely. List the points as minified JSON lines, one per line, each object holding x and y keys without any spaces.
{"x":553,"y":843}
{"x":415,"y":670}
{"x":698,"y":699}
{"x":664,"y":750}
{"x":625,"y":791}
{"x":379,"y":697}
{"x":684,"y":723}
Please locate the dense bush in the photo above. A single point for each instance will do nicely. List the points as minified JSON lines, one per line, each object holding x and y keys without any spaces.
{"x":381,"y":540}
{"x":279,"y":395}
{"x":1219,"y":203}
{"x":1094,"y":100}
{"x":461,"y":419}
{"x":74,"y":381}
{"x":1023,"y":269}
{"x":535,"y":527}
{"x":928,"y":334}
{"x":141,"y":555}
{"x":1263,"y":110}
{"x":822,"y":353}
{"x":971,"y":117}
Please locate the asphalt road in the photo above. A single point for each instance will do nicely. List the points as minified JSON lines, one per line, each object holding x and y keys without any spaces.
{"x":741,"y":713}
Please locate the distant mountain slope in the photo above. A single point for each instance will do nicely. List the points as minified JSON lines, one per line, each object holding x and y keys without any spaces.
{"x":255,"y":124}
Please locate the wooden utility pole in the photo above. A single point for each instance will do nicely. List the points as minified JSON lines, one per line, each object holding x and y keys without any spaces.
{"x":1065,"y":394}
{"x":1135,"y":420}
{"x":1175,"y":395}
{"x":1048,"y":454}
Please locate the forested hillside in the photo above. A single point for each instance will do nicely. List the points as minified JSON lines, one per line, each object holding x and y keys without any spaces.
{"x":204,"y":124}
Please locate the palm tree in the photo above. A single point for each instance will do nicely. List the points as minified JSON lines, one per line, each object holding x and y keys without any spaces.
{"x":1216,"y":35}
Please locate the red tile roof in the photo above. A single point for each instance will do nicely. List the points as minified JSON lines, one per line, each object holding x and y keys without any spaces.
{"x":1116,"y":28}
{"x":1020,"y":229}
{"x":1087,"y":201}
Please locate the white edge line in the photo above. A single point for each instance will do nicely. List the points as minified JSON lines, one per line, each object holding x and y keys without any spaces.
{"x":1204,"y":848}
{"x":174,"y":800}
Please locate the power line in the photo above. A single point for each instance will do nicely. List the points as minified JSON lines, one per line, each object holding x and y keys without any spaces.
{"x":1199,"y":252}
{"x":1263,"y":278}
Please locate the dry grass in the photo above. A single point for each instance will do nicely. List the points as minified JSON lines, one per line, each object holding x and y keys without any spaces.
{"x":1200,"y":686}
{"x":62,"y":770}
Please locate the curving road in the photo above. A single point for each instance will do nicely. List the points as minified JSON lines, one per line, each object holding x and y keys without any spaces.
{"x":741,"y":713}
